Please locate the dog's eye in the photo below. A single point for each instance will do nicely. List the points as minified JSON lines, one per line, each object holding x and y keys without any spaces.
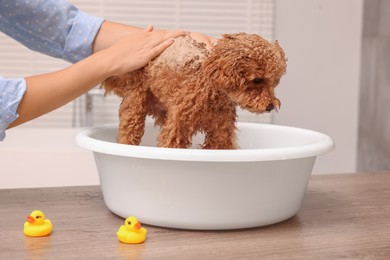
{"x":257,"y":80}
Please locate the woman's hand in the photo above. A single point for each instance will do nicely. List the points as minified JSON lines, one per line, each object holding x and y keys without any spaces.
{"x":111,"y":32}
{"x":135,"y":50}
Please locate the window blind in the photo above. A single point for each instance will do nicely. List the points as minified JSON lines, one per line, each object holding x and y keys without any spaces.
{"x":209,"y":17}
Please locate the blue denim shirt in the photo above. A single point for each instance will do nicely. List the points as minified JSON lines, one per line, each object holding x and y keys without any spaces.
{"x":52,"y":27}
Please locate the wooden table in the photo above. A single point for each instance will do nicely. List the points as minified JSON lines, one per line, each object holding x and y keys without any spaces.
{"x":343,"y":216}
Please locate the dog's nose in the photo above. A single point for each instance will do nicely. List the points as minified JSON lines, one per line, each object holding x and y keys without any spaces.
{"x":270,"y":107}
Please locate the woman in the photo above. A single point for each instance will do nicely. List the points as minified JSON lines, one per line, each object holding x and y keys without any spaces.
{"x":99,"y":49}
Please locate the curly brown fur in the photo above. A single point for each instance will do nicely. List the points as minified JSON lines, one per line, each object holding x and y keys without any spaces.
{"x":188,"y":89}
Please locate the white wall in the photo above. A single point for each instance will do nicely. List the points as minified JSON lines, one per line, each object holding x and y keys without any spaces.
{"x":322,"y":40}
{"x":44,"y":157}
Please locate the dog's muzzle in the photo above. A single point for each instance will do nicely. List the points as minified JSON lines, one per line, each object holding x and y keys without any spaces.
{"x":270,"y":107}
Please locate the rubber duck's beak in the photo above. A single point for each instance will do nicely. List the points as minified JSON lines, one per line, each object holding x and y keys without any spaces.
{"x":137,"y":225}
{"x":30,"y":219}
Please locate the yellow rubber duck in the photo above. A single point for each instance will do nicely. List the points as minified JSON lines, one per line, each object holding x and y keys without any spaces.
{"x":131,"y":232}
{"x":37,"y":225}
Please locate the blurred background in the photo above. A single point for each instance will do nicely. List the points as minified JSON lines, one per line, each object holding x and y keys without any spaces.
{"x":336,"y":83}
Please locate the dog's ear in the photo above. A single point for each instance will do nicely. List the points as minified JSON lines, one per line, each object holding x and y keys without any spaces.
{"x":222,"y":70}
{"x":234,"y":55}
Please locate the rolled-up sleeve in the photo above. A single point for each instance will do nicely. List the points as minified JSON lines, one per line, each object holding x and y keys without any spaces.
{"x":53,"y":27}
{"x":11,"y":93}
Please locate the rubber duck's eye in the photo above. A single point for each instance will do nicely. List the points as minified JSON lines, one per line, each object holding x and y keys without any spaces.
{"x":129,"y":222}
{"x":38,"y":217}
{"x":257,"y":80}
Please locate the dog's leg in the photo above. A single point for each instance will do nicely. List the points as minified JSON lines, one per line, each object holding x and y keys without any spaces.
{"x":221,"y":137}
{"x":177,"y":132}
{"x":132,"y":114}
{"x":221,"y":132}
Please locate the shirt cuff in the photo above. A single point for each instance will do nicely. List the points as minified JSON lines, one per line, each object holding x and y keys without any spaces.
{"x":11,"y":94}
{"x":78,"y":44}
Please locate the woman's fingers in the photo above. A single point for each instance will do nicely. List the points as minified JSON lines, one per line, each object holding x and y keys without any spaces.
{"x":158,"y":49}
{"x":149,"y":28}
{"x":175,"y":33}
{"x":136,"y":50}
{"x":160,"y":40}
{"x":159,"y":36}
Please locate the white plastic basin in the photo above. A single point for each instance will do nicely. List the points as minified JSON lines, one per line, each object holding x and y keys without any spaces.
{"x":262,"y":183}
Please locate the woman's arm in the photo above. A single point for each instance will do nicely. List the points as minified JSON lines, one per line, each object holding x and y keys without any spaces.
{"x":50,"y":91}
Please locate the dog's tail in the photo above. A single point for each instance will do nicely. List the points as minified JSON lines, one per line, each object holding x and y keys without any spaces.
{"x":120,"y":84}
{"x":113,"y":83}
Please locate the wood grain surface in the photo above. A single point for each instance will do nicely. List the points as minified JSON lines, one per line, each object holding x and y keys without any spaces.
{"x":344,"y":216}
